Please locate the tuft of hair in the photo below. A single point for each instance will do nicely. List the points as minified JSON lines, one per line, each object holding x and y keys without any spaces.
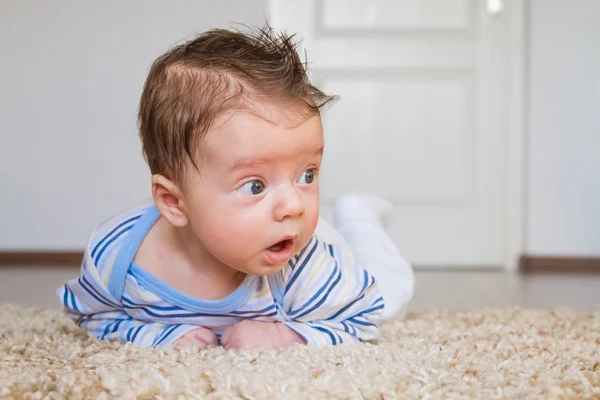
{"x":192,"y":83}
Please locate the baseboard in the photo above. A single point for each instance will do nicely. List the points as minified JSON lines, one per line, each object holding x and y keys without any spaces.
{"x":40,"y":258}
{"x":566,"y":265}
{"x":527,"y":264}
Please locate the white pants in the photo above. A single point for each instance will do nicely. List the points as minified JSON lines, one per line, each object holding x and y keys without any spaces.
{"x":359,"y":225}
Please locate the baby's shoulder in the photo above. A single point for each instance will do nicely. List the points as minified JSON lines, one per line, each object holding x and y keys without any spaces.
{"x":122,"y":217}
{"x":322,"y":254}
{"x":109,"y":233}
{"x":321,"y":264}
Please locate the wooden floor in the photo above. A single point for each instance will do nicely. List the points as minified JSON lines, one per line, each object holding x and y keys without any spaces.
{"x":434,"y":290}
{"x":476,"y":290}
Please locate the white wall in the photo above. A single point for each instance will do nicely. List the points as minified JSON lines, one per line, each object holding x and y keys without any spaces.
{"x":70,"y":80}
{"x":564,"y":127}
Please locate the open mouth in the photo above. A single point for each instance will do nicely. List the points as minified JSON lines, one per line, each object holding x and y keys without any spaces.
{"x":281,"y":245}
{"x":281,"y":252}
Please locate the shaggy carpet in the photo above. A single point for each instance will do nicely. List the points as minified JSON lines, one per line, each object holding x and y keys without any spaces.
{"x":506,"y":353}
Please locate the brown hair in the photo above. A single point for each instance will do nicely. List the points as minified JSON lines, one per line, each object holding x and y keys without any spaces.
{"x":189,"y":85}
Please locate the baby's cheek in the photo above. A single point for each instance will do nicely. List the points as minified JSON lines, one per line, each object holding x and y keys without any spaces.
{"x":218,"y":233}
{"x":231,"y":231}
{"x":239,"y":231}
{"x":312,"y":219}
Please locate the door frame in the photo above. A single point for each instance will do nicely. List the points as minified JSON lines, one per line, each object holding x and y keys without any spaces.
{"x":518,"y":52}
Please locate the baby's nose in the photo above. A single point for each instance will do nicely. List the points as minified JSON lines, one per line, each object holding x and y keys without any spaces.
{"x":289,"y":205}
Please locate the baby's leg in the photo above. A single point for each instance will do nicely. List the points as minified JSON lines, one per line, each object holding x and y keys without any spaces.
{"x":361,"y":220}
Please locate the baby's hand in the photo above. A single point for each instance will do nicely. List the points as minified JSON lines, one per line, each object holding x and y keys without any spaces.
{"x":259,"y":336}
{"x":199,"y":337}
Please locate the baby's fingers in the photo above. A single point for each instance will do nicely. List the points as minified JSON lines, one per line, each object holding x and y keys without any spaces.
{"x":206,"y":335}
{"x":226,"y":337}
{"x":234,"y":344}
{"x":232,"y":338}
{"x":199,"y":337}
{"x":188,"y":342}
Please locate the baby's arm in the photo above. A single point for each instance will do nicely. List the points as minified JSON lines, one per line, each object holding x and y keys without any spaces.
{"x":329,"y":298}
{"x":120,"y":326}
{"x":87,"y":301}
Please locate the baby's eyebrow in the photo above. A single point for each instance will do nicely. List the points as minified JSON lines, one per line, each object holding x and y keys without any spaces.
{"x":250,"y":162}
{"x":247,"y":163}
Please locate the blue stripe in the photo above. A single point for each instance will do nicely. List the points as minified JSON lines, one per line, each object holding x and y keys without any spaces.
{"x":111,"y":232}
{"x":161,"y":308}
{"x":345,"y":327}
{"x":299,"y":256}
{"x":331,"y":250}
{"x":297,"y":274}
{"x":129,"y":334}
{"x":327,"y":332}
{"x":364,"y":323}
{"x":349,"y":328}
{"x":317,"y":294}
{"x":168,"y":334}
{"x":136,"y":333}
{"x":377,"y":301}
{"x":379,"y":307}
{"x":276,"y":283}
{"x":66,"y":297}
{"x":366,"y":279}
{"x":325,"y":296}
{"x":254,"y":312}
{"x":114,"y":329}
{"x":190,"y":315}
{"x":165,"y":334}
{"x":274,"y":313}
{"x":73,"y":303}
{"x":339,"y":337}
{"x":92,"y":294}
{"x":106,"y":329}
{"x":110,"y":241}
{"x":117,"y":325}
{"x":347,"y":306}
{"x":97,"y":292}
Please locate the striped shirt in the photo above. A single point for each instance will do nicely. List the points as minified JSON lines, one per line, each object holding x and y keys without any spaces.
{"x":322,"y":293}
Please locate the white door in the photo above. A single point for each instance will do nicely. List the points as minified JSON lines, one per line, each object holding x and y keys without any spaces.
{"x":421,"y":117}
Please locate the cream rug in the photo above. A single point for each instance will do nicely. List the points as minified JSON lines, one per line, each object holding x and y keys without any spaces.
{"x":490,"y":354}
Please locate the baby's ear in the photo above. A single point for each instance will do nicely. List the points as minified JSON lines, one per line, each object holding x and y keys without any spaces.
{"x":168,"y":200}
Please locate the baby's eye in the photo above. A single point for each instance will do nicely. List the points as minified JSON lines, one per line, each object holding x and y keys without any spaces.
{"x":307,"y":177}
{"x":252,"y":188}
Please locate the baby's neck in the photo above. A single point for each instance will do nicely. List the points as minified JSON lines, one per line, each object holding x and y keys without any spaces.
{"x":175,"y":256}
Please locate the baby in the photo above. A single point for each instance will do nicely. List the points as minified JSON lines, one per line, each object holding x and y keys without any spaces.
{"x":230,"y":249}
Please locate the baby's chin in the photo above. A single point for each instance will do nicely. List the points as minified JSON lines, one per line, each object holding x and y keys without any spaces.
{"x":265,"y":269}
{"x":262,"y":267}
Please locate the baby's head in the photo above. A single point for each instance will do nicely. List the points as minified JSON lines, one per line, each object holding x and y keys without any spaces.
{"x":231,"y":130}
